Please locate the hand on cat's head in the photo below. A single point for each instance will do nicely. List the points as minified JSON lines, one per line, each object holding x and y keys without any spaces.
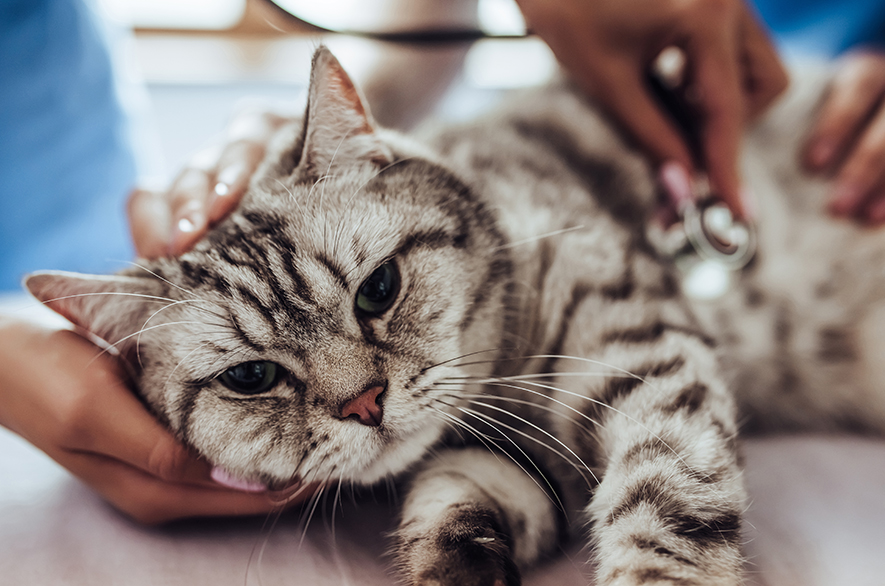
{"x":168,"y":223}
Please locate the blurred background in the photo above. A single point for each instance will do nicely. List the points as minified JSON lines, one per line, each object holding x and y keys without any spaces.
{"x":188,"y":65}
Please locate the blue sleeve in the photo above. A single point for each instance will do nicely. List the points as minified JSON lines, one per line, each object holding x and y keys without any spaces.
{"x":824,"y":27}
{"x":66,"y":165}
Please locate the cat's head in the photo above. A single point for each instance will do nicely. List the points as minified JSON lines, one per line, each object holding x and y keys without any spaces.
{"x":307,"y":335}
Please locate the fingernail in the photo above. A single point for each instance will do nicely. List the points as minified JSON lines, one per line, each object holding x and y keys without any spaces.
{"x":677,"y":183}
{"x":222,"y":189}
{"x":750,"y":205}
{"x":189,"y":223}
{"x":227,"y":178}
{"x":821,"y":153}
{"x":845,"y":199}
{"x":225,"y":478}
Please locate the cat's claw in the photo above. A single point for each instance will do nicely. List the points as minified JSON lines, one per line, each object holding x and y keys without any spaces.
{"x":468,"y":550}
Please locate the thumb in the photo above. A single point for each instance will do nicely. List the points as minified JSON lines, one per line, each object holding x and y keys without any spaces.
{"x":118,"y":426}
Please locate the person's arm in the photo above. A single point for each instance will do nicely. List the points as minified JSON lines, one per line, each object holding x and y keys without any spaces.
{"x":733,"y":74}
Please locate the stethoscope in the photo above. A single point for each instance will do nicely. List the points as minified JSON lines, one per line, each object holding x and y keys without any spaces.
{"x":708,"y":225}
{"x":708,"y":229}
{"x":716,"y":236}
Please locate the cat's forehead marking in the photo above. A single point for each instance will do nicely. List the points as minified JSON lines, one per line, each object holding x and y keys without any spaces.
{"x":287,"y":264}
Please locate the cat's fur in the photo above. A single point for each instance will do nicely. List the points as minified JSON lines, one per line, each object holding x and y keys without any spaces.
{"x":540,"y":372}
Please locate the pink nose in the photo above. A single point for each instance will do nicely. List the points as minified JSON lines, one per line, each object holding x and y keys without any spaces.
{"x":366,"y":408}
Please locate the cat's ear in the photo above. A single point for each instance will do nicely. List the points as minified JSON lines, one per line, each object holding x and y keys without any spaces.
{"x":111,"y":307}
{"x":338,"y":125}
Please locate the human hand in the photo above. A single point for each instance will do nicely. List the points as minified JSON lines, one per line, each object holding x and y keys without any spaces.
{"x":848,"y":138}
{"x":67,"y":398}
{"x":733,"y":74}
{"x":171,"y":222}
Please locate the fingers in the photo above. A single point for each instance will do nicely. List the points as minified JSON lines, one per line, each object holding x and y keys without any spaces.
{"x":717,"y":77}
{"x":188,"y":199}
{"x":621,"y":90}
{"x":764,"y":75}
{"x":203,"y":194}
{"x":849,"y":138}
{"x":151,"y":500}
{"x":150,"y":223}
{"x":855,"y":93}
{"x":862,"y":177}
{"x":236,"y":165}
{"x":97,"y":413}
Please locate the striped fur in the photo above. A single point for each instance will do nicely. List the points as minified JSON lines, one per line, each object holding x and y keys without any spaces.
{"x":541,"y":374}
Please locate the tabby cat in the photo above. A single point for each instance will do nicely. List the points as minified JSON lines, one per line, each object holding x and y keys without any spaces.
{"x":478,"y":312}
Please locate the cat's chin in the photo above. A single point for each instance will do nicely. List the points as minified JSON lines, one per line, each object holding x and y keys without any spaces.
{"x":397,"y":456}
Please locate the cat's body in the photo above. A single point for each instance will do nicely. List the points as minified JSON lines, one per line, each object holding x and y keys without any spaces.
{"x":481,"y":310}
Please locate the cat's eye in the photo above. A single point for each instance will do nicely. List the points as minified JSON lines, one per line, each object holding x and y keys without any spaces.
{"x":378,"y":292}
{"x":251,"y":378}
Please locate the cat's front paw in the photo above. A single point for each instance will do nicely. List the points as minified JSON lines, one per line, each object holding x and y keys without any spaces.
{"x":468,"y":549}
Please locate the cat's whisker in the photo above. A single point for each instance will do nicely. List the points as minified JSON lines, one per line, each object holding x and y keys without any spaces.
{"x":596,"y":424}
{"x":292,"y":197}
{"x":167,"y":281}
{"x":316,"y":183}
{"x":529,"y":357}
{"x":533,"y":404}
{"x":538,"y":237}
{"x":541,"y":375}
{"x":111,"y":348}
{"x":332,"y":161}
{"x":148,"y":320}
{"x":550,"y":490}
{"x":656,"y":436}
{"x":460,"y":425}
{"x":264,"y":538}
{"x":313,"y":503}
{"x":335,"y":502}
{"x":180,"y":362}
{"x":468,"y":355}
{"x":488,"y":442}
{"x":375,"y":176}
{"x":537,"y":428}
{"x":116,"y":293}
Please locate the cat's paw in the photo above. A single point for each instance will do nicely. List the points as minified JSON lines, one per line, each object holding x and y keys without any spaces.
{"x":468,"y":549}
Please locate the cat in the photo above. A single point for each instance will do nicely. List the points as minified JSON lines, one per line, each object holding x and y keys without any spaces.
{"x":477,"y":311}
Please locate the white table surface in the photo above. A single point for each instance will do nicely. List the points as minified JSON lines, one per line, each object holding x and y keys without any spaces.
{"x":817,"y":517}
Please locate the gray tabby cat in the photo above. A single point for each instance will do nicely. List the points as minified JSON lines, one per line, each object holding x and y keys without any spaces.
{"x":480,"y":312}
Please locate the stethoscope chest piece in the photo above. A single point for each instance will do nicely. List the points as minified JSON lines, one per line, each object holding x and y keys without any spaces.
{"x":708,"y":246}
{"x":715,"y":235}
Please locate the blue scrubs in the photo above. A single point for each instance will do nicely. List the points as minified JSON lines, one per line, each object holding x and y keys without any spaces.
{"x":65,"y":161}
{"x":824,"y":28}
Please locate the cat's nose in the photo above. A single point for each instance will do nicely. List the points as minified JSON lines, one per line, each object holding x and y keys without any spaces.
{"x":366,"y":408}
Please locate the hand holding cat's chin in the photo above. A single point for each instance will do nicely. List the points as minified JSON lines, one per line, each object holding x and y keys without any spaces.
{"x":59,"y":392}
{"x":169,"y":222}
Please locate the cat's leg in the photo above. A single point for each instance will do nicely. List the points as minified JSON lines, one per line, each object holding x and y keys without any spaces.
{"x":639,"y":397}
{"x":472,"y":518}
{"x":669,"y":503}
